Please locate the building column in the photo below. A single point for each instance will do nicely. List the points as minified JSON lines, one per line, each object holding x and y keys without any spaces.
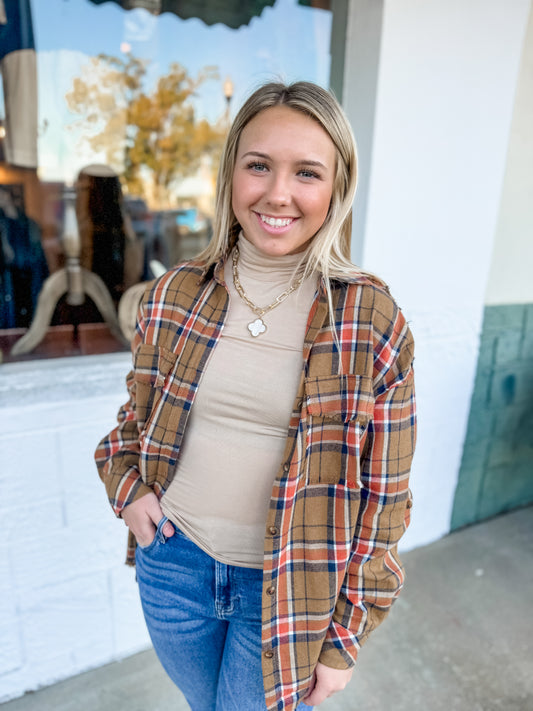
{"x":429,"y":88}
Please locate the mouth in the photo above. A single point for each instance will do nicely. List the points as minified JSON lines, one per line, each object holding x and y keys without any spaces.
{"x":276,"y":222}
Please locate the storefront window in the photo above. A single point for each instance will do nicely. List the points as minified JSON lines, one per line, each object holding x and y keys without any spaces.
{"x":112,"y":118}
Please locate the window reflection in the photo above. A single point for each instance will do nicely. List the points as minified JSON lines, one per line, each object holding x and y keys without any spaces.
{"x":130,"y":108}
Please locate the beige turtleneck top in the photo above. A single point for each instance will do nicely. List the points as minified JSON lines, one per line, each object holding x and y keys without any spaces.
{"x":238,"y":424}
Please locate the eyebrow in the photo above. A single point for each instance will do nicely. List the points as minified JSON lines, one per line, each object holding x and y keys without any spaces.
{"x":257,"y":154}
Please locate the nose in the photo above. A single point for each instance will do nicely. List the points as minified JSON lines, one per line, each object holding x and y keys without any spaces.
{"x":279,"y":190}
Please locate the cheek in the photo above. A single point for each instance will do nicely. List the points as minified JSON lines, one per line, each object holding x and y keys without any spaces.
{"x":321,"y":205}
{"x":235,"y":192}
{"x":242,"y":193}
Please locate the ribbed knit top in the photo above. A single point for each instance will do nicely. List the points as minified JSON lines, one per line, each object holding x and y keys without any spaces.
{"x":237,"y":428}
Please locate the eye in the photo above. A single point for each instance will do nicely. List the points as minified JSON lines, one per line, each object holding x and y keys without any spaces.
{"x":257,"y":167}
{"x":307,"y":173}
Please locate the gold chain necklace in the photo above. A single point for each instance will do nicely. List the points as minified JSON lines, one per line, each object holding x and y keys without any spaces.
{"x":258,"y":326}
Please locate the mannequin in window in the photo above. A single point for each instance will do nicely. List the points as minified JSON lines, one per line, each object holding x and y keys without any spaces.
{"x":109,"y":246}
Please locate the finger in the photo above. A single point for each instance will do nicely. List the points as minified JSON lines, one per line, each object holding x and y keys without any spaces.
{"x":146,"y":533}
{"x":315,"y":698}
{"x":153,"y":510}
{"x":168,"y":529}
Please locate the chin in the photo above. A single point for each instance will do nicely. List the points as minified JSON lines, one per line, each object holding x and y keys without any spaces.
{"x":277,"y":247}
{"x":277,"y":250}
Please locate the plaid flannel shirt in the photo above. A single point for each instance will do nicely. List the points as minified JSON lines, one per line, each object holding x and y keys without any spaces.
{"x":340,"y":500}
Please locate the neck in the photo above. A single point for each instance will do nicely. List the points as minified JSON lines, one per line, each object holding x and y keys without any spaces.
{"x":264,"y":267}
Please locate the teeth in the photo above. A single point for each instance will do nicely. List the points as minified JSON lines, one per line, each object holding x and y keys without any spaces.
{"x":276,"y":221}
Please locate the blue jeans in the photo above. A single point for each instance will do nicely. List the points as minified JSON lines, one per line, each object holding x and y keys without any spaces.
{"x":204,"y":619}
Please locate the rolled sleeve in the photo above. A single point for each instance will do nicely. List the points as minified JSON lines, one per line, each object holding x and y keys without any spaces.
{"x":118,"y":453}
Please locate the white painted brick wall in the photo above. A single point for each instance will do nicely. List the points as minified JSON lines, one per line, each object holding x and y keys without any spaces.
{"x":68,"y":601}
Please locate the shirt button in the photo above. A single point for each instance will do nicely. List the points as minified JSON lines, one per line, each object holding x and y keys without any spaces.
{"x":271,"y":590}
{"x":273,"y":530}
{"x":286,"y":468}
{"x":269,"y":654}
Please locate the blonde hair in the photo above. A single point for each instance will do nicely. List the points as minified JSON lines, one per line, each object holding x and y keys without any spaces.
{"x":329,"y":251}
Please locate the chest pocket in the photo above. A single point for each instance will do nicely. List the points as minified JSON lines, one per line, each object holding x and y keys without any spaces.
{"x":339,"y":408}
{"x":152,"y":367}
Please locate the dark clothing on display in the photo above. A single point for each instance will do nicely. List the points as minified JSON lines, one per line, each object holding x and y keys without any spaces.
{"x":23,"y":269}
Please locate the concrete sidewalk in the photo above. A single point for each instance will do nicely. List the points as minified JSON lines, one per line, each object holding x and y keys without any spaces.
{"x":460,"y":638}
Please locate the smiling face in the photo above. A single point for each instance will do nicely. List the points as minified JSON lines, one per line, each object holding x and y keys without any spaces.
{"x":282,"y":180}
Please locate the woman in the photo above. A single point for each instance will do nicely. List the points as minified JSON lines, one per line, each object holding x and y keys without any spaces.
{"x":261,"y":463}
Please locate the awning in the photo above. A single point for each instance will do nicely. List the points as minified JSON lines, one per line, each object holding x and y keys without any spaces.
{"x":233,"y":13}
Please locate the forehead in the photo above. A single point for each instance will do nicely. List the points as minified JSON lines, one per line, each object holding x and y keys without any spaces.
{"x":280,"y":128}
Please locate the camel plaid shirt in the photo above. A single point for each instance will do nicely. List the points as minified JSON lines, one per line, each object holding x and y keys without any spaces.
{"x":340,"y":500}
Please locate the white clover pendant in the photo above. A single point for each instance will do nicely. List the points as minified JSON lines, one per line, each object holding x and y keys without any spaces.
{"x":257,"y":327}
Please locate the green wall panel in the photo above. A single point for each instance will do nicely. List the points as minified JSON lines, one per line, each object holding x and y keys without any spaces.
{"x":496,"y":471}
